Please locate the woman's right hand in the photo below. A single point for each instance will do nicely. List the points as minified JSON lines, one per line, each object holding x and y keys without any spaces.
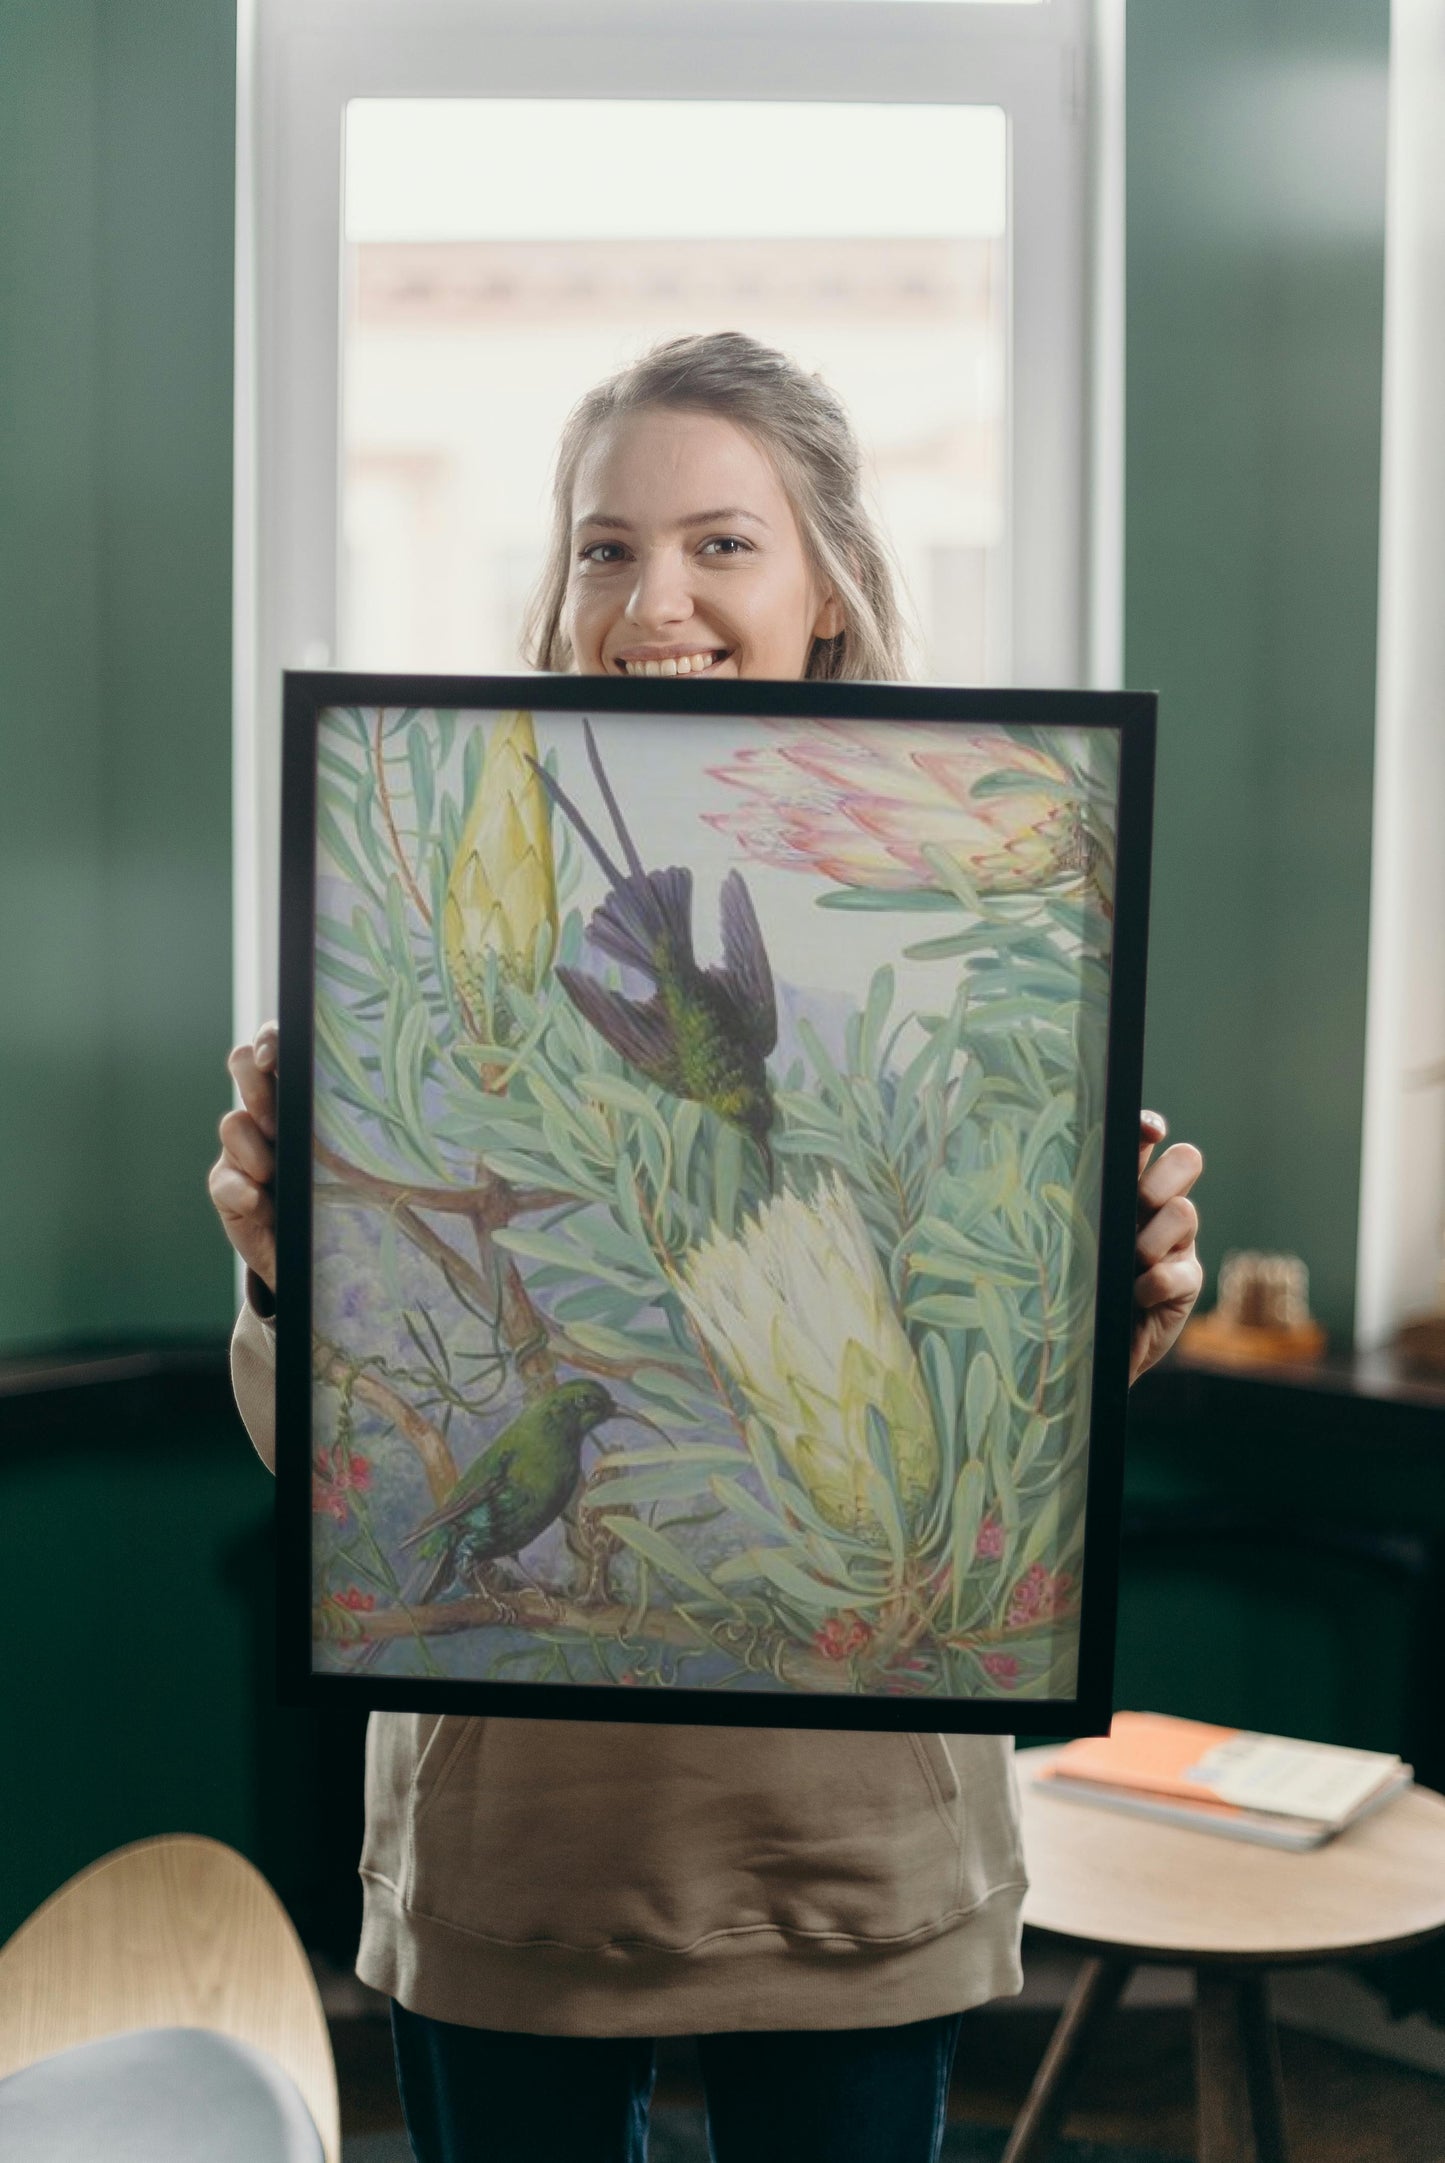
{"x":241,"y":1179}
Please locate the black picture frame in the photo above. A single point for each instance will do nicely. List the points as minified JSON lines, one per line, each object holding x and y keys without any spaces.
{"x":1131,"y":716}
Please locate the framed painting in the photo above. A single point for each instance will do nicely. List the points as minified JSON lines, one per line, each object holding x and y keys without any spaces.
{"x":708,"y":1137}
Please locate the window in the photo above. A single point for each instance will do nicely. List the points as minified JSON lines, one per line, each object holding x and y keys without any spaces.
{"x":453,"y":212}
{"x":474,"y":317}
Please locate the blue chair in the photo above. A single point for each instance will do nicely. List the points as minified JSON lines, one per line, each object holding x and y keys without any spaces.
{"x":160,"y":2007}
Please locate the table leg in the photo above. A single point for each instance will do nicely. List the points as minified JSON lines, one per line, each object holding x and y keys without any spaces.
{"x":1241,"y":2117}
{"x":1261,"y":2044}
{"x":1095,"y":1993}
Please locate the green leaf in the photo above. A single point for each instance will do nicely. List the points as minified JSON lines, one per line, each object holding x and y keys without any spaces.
{"x":945,"y":949}
{"x":673,"y":1389}
{"x":918,"y":900}
{"x":968,"y":1501}
{"x":472,"y":761}
{"x":332,"y":1040}
{"x":1035,"y":1434}
{"x":1054,"y":1125}
{"x":875,"y":1015}
{"x":559,"y":1254}
{"x":418,"y":756}
{"x":634,"y":1490}
{"x":697,"y":1454}
{"x":1009,"y":781}
{"x":998,"y":1329}
{"x":727,"y":1176}
{"x":611,"y":1344}
{"x":339,"y":848}
{"x":804,"y":1590}
{"x":660,"y":1551}
{"x":979,"y":1398}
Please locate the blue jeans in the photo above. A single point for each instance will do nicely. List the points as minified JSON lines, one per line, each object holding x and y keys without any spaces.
{"x":833,"y":2095}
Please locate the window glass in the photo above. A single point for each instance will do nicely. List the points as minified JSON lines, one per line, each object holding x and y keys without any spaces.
{"x":504,"y":255}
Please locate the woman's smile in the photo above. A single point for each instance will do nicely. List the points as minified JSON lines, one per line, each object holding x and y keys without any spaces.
{"x":672,"y":660}
{"x":687,"y":559}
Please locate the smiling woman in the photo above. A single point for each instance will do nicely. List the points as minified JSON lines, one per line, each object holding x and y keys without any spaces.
{"x":647,"y":576}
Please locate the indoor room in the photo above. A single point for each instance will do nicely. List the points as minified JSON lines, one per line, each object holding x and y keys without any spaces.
{"x":783,"y":1496}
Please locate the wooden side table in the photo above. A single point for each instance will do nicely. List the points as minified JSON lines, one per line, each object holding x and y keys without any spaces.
{"x":1124,"y":1890}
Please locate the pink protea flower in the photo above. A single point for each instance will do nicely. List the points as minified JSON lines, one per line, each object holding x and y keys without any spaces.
{"x":841,"y":1636}
{"x":861,"y":802}
{"x":1001,"y":1667}
{"x":1037,"y":1596}
{"x":989,"y":1544}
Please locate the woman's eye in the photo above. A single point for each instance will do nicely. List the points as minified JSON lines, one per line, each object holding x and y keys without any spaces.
{"x":602,"y":552}
{"x":726,"y":544}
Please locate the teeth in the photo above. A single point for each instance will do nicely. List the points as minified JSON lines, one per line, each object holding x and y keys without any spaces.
{"x":686,"y":664}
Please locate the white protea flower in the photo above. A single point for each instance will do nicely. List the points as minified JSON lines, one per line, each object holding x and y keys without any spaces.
{"x":502,"y":888}
{"x":797,"y":1310}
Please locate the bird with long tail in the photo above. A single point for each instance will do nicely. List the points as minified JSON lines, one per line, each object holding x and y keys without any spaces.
{"x":705,"y":1033}
{"x":519,"y":1485}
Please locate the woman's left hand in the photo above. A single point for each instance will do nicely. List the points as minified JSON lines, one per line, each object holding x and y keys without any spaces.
{"x":1168,"y":1275}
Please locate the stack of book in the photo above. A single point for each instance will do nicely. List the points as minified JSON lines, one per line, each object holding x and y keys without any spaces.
{"x":1269,"y":1788}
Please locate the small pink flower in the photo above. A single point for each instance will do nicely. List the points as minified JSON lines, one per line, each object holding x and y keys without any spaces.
{"x":989,"y":1544}
{"x":1002,"y":1666}
{"x":359,"y":1602}
{"x":841,"y":1636}
{"x":1037,"y":1596}
{"x":335,"y":1476}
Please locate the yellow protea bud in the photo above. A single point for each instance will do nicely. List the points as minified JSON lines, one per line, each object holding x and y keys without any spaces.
{"x":502,"y":888}
{"x":797,"y":1310}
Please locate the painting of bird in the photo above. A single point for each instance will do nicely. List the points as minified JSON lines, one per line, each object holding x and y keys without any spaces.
{"x":517,"y":1487}
{"x":704,"y":1033}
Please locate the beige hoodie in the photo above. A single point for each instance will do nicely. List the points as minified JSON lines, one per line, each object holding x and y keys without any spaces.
{"x":565,"y":1877}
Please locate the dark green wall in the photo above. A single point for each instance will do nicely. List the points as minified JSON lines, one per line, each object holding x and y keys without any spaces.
{"x":1255,"y":251}
{"x":1256,"y":141}
{"x":117,"y":133}
{"x":1255,"y":259}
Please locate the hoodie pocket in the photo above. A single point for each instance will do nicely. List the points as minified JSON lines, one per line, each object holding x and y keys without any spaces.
{"x":587,"y":1834}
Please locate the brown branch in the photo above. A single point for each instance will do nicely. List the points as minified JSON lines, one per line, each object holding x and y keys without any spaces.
{"x":393,"y":836}
{"x":430,"y":1444}
{"x":500,"y":1201}
{"x":365,"y":1188}
{"x":537,"y":1610}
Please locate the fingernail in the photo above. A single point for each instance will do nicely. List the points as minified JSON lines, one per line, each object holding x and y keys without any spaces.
{"x":1156,"y":1119}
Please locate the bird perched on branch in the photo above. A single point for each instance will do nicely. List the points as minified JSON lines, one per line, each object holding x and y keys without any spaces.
{"x":520,"y":1484}
{"x":705,"y":1033}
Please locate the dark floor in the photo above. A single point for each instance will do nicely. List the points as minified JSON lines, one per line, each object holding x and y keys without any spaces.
{"x":1343,"y":2105}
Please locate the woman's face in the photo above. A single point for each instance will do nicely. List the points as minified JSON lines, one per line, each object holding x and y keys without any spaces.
{"x":686,"y":557}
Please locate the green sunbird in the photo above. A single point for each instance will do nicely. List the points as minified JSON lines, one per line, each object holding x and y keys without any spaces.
{"x":704,"y":1034}
{"x":520,"y":1484}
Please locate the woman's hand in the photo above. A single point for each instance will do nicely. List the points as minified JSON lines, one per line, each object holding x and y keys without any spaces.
{"x":241,"y":1178}
{"x":1168,"y":1275}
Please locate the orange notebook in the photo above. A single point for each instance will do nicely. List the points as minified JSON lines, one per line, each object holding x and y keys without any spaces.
{"x":1189,"y":1760}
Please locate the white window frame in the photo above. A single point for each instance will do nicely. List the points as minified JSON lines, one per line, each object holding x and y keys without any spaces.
{"x":1056,"y":69}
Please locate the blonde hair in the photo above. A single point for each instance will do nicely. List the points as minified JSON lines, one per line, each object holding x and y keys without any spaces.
{"x":806,"y":431}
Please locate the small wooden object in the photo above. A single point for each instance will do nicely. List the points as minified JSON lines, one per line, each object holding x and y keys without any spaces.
{"x":1126,"y":1891}
{"x":1263,"y":1316}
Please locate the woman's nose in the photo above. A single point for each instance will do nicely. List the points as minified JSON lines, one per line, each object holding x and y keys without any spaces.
{"x":661,"y":595}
